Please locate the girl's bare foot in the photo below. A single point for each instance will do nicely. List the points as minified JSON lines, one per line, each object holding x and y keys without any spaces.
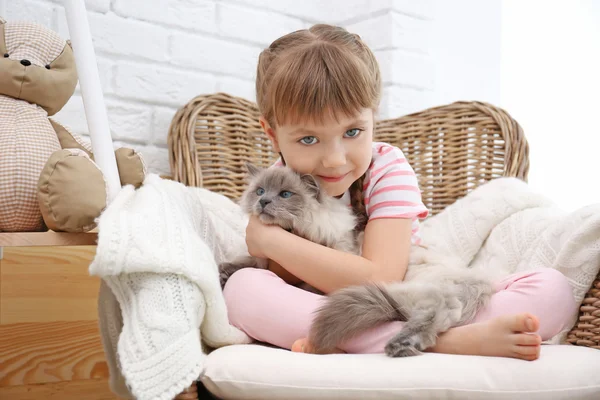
{"x":304,"y":346}
{"x":505,"y":336}
{"x":190,"y":393}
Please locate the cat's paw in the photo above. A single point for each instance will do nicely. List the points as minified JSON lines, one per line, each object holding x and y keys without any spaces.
{"x":223,"y":280}
{"x":225,"y":271}
{"x":403,"y":345}
{"x":394,"y":349}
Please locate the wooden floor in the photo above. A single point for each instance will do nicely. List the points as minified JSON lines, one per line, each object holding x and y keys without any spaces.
{"x":49,"y":342}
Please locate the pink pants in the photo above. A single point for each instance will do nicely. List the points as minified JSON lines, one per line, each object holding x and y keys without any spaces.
{"x":269,"y":310}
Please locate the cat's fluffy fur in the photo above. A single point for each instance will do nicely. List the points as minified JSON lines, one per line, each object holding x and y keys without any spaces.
{"x":438,"y":293}
{"x":308,"y":212}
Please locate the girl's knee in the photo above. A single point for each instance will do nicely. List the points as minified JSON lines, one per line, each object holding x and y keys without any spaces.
{"x":558,"y":297}
{"x":245,"y":292}
{"x":562,"y":289}
{"x":554,"y":281}
{"x":247,"y":280}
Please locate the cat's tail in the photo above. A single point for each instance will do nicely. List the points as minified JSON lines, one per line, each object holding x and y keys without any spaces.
{"x":350,"y":311}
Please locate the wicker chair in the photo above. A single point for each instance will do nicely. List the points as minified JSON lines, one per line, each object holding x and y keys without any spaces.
{"x":453,"y":149}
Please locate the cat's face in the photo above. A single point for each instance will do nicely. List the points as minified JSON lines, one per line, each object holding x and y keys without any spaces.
{"x":278,"y":195}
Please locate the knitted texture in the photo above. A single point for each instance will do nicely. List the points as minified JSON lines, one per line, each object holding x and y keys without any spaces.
{"x":505,"y":227}
{"x":159,"y":246}
{"x":158,"y":250}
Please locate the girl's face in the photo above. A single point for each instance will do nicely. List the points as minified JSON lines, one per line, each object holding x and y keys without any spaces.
{"x":335,"y":152}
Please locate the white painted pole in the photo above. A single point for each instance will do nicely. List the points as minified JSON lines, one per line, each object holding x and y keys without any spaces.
{"x":93,"y":99}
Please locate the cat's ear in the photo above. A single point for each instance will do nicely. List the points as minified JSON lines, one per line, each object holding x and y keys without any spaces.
{"x":311,"y":183}
{"x":252,"y":169}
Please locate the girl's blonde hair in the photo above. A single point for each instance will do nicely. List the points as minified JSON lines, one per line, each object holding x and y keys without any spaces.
{"x":315,"y":73}
{"x":318,"y":73}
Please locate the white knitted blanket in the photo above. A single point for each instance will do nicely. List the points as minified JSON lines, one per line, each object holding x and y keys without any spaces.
{"x":505,"y":227}
{"x":159,"y":246}
{"x":158,"y":251}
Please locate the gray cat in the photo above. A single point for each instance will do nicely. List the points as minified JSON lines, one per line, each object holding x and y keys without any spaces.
{"x":280,"y":196}
{"x":437,"y":294}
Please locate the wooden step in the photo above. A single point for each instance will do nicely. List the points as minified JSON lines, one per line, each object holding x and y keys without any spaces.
{"x":90,"y":389}
{"x":51,"y":352}
{"x":45,"y":284}
{"x":50,"y":238}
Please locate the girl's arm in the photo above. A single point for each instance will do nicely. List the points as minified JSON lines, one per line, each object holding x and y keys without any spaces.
{"x":394,"y":199}
{"x":384,"y":259}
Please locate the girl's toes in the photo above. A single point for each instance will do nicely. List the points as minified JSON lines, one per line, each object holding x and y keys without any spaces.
{"x":527,"y":351}
{"x":524,"y":322}
{"x":301,"y":346}
{"x":526,"y":339}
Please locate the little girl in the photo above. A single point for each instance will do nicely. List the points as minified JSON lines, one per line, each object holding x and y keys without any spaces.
{"x":318,"y":91}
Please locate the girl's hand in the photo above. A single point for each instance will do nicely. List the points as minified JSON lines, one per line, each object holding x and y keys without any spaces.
{"x":259,"y":237}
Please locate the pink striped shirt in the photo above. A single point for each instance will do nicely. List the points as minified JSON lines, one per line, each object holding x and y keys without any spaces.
{"x":391,"y":189}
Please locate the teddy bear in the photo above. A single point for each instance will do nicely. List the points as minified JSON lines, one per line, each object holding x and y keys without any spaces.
{"x":48,"y":178}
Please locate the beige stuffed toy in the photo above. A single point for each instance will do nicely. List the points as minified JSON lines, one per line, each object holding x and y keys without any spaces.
{"x":48,"y":178}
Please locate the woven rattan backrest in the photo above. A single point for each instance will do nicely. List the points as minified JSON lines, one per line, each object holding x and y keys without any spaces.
{"x":452,"y":148}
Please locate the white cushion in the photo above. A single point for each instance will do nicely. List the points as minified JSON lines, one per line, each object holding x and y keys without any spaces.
{"x":258,"y":372}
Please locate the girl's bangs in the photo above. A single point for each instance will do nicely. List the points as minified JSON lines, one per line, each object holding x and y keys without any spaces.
{"x":321,"y":83}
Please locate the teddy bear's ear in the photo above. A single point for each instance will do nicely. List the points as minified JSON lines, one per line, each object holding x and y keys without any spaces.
{"x":69,"y":43}
{"x":2,"y":20}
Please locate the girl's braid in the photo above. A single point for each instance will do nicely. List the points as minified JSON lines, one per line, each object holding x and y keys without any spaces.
{"x":357,"y":201}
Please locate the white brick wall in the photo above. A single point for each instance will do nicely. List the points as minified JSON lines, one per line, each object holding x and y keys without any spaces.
{"x":155,"y":55}
{"x":399,"y":33}
{"x":195,"y":15}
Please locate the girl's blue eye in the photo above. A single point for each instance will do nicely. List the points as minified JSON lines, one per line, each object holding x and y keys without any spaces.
{"x":260,"y":191}
{"x":286,"y":194}
{"x":308,"y":140}
{"x":352,"y":132}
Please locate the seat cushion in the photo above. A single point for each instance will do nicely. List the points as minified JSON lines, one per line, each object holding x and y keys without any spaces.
{"x":258,"y":372}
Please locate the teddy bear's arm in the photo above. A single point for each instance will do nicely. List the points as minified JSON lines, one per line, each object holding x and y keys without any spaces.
{"x":70,"y":141}
{"x":132,"y":169}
